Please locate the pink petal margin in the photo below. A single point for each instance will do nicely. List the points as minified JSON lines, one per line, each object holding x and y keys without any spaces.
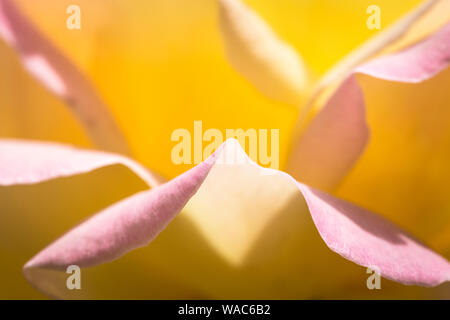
{"x":372,"y":241}
{"x":333,"y":141}
{"x":61,"y":77}
{"x":415,"y":64}
{"x":25,"y":162}
{"x":338,"y":135}
{"x":124,"y":226}
{"x":356,"y":234}
{"x":131,"y":223}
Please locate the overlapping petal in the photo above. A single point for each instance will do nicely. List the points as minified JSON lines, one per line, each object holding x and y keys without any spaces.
{"x":389,"y":40}
{"x":415,"y":64}
{"x":255,"y":51}
{"x":328,"y":151}
{"x":354,"y":233}
{"x":338,"y":134}
{"x":170,"y":38}
{"x":32,"y":162}
{"x":129,"y":224}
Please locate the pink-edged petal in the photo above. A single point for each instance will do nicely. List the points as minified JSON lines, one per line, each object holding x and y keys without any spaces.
{"x":124,"y":226}
{"x":395,"y":36}
{"x":415,"y":64}
{"x":256,"y":52}
{"x":26,"y":162}
{"x":371,"y":241}
{"x":358,"y":235}
{"x":338,"y":134}
{"x":332,"y":143}
{"x":60,"y":76}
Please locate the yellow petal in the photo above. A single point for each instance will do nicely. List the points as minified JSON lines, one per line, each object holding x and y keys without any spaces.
{"x":420,"y":22}
{"x":44,"y":211}
{"x":436,"y":17}
{"x":259,"y":55}
{"x":381,"y":42}
{"x":393,"y":38}
{"x":325,"y":31}
{"x":159,"y":66}
{"x":263,"y":244}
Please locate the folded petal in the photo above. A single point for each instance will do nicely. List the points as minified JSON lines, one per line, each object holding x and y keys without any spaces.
{"x":402,"y":33}
{"x":408,"y":149}
{"x":259,"y":215}
{"x":25,"y":162}
{"x":407,"y":120}
{"x":138,"y":56}
{"x":127,"y":225}
{"x":415,"y":64}
{"x":45,"y":188}
{"x":60,"y":76}
{"x":317,"y":28}
{"x":372,"y":241}
{"x":337,"y":136}
{"x":255,"y":51}
{"x":161,"y":47}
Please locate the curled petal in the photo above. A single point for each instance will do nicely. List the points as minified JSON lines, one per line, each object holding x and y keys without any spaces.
{"x":375,"y":45}
{"x":24,"y":162}
{"x":338,"y":134}
{"x":271,"y":65}
{"x":371,"y":241}
{"x":415,"y":64}
{"x":358,"y":235}
{"x":124,"y":226}
{"x":60,"y":76}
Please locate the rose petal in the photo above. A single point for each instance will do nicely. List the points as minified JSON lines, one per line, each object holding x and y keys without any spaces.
{"x":433,"y":19}
{"x":409,"y":150}
{"x":57,"y":73}
{"x":383,"y":41}
{"x":354,"y":233}
{"x":371,"y":241}
{"x":338,"y":134}
{"x":124,"y":226}
{"x":415,"y":64}
{"x":24,"y":162}
{"x":271,"y":65}
{"x":410,"y":128}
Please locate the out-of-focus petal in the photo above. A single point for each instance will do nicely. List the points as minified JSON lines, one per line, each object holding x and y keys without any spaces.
{"x":24,"y":162}
{"x":60,"y":76}
{"x":334,"y":140}
{"x":374,"y":46}
{"x":157,"y":48}
{"x":45,"y":189}
{"x":354,"y":233}
{"x":138,"y":56}
{"x":337,"y":136}
{"x":371,"y":241}
{"x":259,"y":55}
